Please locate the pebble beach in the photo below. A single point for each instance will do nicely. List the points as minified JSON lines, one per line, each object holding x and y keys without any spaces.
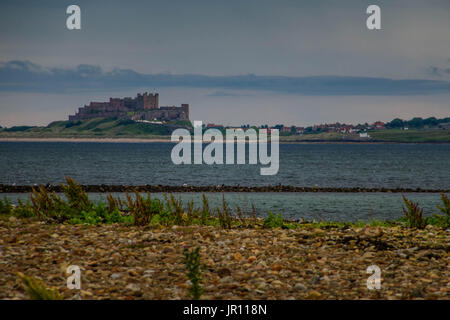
{"x":128,"y":262}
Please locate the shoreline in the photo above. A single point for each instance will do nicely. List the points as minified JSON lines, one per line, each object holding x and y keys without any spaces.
{"x":161,"y":140}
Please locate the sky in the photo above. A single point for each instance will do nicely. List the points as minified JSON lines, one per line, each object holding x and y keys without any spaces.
{"x":235,"y":62}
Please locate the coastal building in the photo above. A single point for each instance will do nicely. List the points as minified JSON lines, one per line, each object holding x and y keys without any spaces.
{"x":364,"y":135}
{"x":142,"y":107}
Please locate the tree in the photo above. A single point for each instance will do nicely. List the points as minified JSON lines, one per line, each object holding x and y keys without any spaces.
{"x":431,"y":122}
{"x":396,"y":123}
{"x":416,"y":122}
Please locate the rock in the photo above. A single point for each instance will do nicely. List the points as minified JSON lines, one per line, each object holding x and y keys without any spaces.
{"x":227,"y":279}
{"x":86,"y":293}
{"x":117,"y":275}
{"x":237,"y":256}
{"x":276,"y":267}
{"x":133,"y":287}
{"x":313,"y":294}
{"x":128,"y":262}
{"x":300,"y":286}
{"x":223,"y":272}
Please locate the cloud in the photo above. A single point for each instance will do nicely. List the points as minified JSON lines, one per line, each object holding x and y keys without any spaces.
{"x":435,"y":71}
{"x":221,"y":94}
{"x":25,"y":76}
{"x":438,"y":72}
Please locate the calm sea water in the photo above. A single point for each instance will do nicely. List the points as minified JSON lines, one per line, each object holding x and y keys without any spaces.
{"x":323,"y":165}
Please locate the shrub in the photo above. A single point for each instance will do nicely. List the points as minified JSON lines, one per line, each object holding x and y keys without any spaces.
{"x":143,"y":210}
{"x":77,"y":198}
{"x":5,"y":206}
{"x":442,"y":220}
{"x":192,"y":261}
{"x":100,"y":214}
{"x":37,"y":290}
{"x":273,"y":222}
{"x":175,"y":207}
{"x":413,"y":214}
{"x":23,"y":210}
{"x":113,"y":203}
{"x":46,"y":204}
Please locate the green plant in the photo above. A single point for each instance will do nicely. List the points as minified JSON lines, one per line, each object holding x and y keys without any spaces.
{"x":273,"y":221}
{"x":5,"y":206}
{"x":143,"y":210}
{"x":192,"y":261}
{"x":206,"y":212}
{"x":413,"y":214}
{"x":113,"y":203}
{"x":23,"y":210}
{"x":224,"y":215}
{"x":99,"y":214}
{"x":175,"y":207}
{"x":191,"y":212}
{"x":46,"y":204}
{"x":37,"y":289}
{"x":77,"y":198}
{"x":254,"y":215}
{"x":446,"y":205}
{"x":442,"y":220}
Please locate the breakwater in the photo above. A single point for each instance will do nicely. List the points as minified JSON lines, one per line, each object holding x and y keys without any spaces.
{"x":218,"y":188}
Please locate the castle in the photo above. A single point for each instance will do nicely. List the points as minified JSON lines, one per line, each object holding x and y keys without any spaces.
{"x":143,"y":107}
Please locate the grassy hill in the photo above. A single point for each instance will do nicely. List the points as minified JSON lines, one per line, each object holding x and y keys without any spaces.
{"x":417,"y":135}
{"x":388,"y":135}
{"x":98,"y":127}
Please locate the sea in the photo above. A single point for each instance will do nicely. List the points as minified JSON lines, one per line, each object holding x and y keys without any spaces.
{"x":425,"y":166}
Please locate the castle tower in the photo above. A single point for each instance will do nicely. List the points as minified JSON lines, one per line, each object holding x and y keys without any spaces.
{"x":151,"y":101}
{"x":185,"y":108}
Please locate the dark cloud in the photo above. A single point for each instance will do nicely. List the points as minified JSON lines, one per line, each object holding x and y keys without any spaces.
{"x":25,"y":76}
{"x":435,"y":71}
{"x":438,"y":72}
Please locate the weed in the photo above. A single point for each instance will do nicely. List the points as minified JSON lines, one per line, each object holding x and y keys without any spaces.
{"x":113,"y":203}
{"x":273,"y":222}
{"x":224,"y":215}
{"x":413,"y":214}
{"x":23,"y":210}
{"x":142,"y":210}
{"x":192,"y":261}
{"x":446,"y":205}
{"x":254,"y":214}
{"x":442,"y":220}
{"x":77,"y":198}
{"x":46,"y":204}
{"x":176,"y":209}
{"x":37,"y":290}
{"x":5,"y":206}
{"x":206,"y":212}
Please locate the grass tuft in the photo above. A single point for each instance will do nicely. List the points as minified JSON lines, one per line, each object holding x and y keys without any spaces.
{"x":37,"y":290}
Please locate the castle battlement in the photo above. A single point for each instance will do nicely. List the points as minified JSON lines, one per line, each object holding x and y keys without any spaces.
{"x":143,"y":107}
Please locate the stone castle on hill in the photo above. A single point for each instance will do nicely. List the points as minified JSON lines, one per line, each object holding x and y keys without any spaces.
{"x":143,"y":107}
